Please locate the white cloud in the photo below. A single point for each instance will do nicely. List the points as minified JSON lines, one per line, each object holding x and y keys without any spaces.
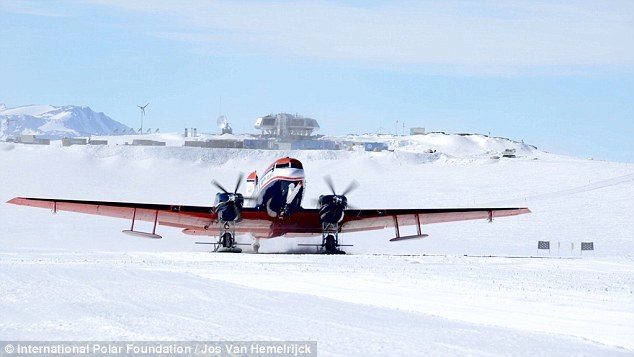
{"x":481,"y":35}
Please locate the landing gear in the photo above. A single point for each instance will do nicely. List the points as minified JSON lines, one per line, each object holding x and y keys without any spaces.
{"x":256,"y":245}
{"x":332,"y":209}
{"x":226,"y":240}
{"x":330,"y":245}
{"x":330,"y":239}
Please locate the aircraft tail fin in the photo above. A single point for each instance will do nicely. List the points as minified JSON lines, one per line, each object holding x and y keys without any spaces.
{"x":252,"y":182}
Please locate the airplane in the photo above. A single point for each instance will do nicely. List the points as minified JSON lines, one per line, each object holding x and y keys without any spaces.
{"x":276,"y":211}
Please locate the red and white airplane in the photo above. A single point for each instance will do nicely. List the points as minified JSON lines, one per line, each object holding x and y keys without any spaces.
{"x":277,"y":212}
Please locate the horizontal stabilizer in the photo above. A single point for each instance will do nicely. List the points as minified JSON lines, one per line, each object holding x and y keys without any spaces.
{"x":421,"y":236}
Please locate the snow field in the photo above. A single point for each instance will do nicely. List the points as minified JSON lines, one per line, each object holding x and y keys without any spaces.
{"x":76,"y":277}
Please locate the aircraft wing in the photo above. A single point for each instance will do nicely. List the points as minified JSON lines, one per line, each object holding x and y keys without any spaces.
{"x":363,"y":220}
{"x":194,"y":220}
{"x":358,"y":220}
{"x":201,"y":220}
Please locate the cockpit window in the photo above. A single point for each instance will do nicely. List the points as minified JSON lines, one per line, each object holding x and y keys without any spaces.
{"x":292,"y":163}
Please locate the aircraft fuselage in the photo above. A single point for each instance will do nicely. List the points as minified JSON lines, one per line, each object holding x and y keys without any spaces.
{"x":279,"y":191}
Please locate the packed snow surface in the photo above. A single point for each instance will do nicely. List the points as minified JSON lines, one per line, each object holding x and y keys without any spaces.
{"x":470,"y":288}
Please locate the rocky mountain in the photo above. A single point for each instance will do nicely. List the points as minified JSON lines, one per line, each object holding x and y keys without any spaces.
{"x":52,"y":122}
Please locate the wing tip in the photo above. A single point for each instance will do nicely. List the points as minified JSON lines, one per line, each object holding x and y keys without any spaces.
{"x":16,"y":200}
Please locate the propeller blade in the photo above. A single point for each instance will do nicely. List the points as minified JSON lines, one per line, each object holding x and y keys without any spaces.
{"x":240,"y":177}
{"x":351,"y":187}
{"x":217,"y":184}
{"x":330,"y":184}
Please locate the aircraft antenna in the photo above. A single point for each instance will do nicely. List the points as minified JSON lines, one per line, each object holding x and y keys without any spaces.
{"x":223,"y":124}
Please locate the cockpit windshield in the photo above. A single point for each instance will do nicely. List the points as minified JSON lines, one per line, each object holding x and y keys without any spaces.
{"x":294,"y":164}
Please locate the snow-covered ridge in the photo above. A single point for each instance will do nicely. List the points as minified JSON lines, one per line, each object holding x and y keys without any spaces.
{"x":433,"y":147}
{"x":454,"y":145}
{"x":52,"y":122}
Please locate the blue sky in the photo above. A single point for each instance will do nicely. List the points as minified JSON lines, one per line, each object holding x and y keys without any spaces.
{"x":557,"y":74}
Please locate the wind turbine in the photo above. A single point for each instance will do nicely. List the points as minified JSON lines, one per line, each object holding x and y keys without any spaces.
{"x":142,"y":114}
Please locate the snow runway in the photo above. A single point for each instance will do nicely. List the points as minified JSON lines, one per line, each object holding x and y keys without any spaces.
{"x":365,"y":304}
{"x":76,"y":277}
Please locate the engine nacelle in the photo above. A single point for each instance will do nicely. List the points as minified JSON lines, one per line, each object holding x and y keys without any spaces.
{"x":228,"y":206}
{"x":332,"y":208}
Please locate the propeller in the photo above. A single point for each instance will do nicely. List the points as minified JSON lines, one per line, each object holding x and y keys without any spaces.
{"x":351,"y":187}
{"x":354,"y":184}
{"x":332,"y":207}
{"x":228,"y":205}
{"x":235,"y":191}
